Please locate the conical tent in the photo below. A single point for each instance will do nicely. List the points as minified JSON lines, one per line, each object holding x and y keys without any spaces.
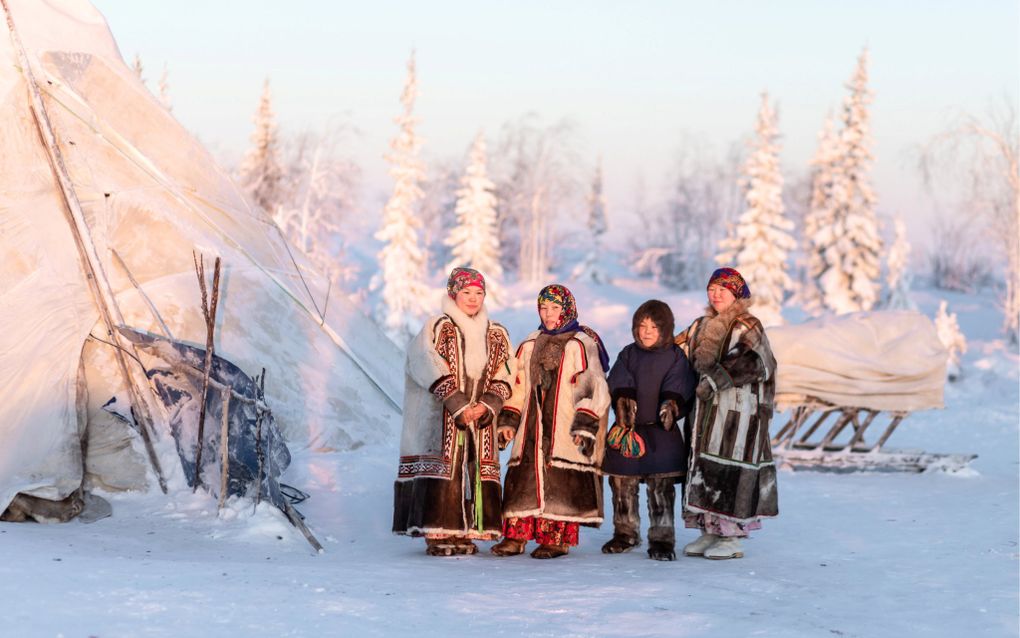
{"x":149,"y":195}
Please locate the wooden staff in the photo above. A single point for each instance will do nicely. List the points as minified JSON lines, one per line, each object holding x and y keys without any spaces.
{"x":209,"y":312}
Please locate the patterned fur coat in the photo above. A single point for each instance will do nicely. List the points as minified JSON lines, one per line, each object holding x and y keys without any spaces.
{"x":453,"y":361}
{"x":559,"y":391}
{"x":731,"y":473}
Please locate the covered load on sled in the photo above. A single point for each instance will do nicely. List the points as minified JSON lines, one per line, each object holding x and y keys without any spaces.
{"x":849,"y":381}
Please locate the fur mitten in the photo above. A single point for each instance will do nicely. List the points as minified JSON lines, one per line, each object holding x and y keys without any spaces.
{"x":626,"y":411}
{"x":669,"y":412}
{"x":585,"y":427}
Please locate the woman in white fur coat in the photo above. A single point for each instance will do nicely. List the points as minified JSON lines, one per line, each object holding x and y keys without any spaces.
{"x":458,"y":375}
{"x":556,"y":418}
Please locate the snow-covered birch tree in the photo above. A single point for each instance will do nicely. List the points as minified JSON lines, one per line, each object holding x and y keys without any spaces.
{"x":591,"y":269}
{"x":759,"y":242}
{"x":402,"y":260}
{"x":321,"y":186}
{"x":850,"y":279}
{"x":261,"y":172}
{"x":475,"y":239}
{"x":536,"y":176}
{"x":980,"y":159}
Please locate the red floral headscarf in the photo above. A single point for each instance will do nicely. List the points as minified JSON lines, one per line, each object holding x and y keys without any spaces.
{"x":461,"y":278}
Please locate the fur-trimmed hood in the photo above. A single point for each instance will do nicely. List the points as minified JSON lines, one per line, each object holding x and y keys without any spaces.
{"x":706,"y":352}
{"x":661,"y":316}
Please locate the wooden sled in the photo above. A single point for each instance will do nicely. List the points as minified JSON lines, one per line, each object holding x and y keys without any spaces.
{"x":805,"y":443}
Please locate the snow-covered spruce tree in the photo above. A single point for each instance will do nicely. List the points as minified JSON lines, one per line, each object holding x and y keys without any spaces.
{"x":261,"y":173}
{"x":591,"y":268}
{"x":952,"y":338}
{"x":850,"y":281}
{"x":402,"y":260}
{"x":819,"y":222}
{"x":475,"y":239}
{"x":759,"y":242}
{"x":897,"y":275}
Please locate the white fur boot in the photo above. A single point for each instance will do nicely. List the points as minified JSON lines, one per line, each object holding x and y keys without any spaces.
{"x":725,"y":547}
{"x":700,"y":544}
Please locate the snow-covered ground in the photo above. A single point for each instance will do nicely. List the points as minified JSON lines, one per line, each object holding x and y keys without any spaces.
{"x":850,"y":555}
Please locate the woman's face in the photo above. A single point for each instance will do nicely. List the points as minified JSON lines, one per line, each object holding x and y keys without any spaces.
{"x":721,"y":298}
{"x":549,"y":312}
{"x":648,"y":333}
{"x":469,"y":300}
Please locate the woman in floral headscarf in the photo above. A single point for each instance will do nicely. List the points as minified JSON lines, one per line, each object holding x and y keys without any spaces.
{"x":731,"y":478}
{"x":556,"y":420}
{"x":458,"y":376}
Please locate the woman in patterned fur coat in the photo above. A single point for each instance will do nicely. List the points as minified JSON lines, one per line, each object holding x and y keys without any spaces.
{"x":731,"y":478}
{"x":556,"y":418}
{"x":458,"y":375}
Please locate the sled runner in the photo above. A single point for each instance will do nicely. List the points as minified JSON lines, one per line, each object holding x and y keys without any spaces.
{"x":824,"y":436}
{"x":849,"y":382}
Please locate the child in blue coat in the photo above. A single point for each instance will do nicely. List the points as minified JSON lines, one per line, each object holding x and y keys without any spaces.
{"x":652,"y":386}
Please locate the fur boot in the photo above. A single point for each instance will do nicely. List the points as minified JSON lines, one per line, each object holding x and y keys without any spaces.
{"x":550,"y":551}
{"x":626,"y":520}
{"x":509,"y":547}
{"x":661,"y":529}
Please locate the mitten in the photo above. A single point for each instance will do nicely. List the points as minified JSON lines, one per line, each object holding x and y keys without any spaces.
{"x":626,"y":411}
{"x":704,"y":391}
{"x":506,"y":427}
{"x":584,"y":429}
{"x":586,"y":447}
{"x":669,"y":412}
{"x":720,"y":376}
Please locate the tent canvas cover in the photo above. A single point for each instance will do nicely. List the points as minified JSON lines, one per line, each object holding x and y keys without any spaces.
{"x":150,"y":194}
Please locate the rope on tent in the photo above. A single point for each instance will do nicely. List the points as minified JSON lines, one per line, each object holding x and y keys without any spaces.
{"x":99,"y":285}
{"x":139,"y":159}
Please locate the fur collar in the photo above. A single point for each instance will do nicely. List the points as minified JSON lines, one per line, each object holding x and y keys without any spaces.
{"x":476,"y":332}
{"x":715,"y":327}
{"x":546,"y":356}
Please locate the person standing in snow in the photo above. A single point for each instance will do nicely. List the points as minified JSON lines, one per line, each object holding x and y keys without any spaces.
{"x":652,"y":386}
{"x":556,"y":419}
{"x":731,"y":478}
{"x":458,"y":374}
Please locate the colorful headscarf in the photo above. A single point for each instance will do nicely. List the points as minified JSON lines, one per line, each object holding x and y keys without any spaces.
{"x":461,"y":278}
{"x":560,"y":294}
{"x":731,"y":280}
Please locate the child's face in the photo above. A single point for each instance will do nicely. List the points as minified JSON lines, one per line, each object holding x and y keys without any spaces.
{"x":549,"y":313}
{"x":469,"y":300}
{"x":648,"y":333}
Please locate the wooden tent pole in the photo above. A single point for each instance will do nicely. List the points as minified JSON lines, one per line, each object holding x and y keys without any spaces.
{"x":102,"y":293}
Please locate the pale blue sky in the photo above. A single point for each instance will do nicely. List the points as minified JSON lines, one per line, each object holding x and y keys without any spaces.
{"x":634,"y":76}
